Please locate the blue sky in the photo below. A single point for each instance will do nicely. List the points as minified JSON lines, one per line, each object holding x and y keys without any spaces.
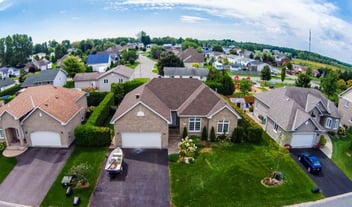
{"x":278,"y":22}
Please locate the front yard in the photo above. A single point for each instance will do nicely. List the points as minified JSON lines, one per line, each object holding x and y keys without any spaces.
{"x":94,"y":156}
{"x":7,"y":164}
{"x":342,"y":155}
{"x":230,"y":176}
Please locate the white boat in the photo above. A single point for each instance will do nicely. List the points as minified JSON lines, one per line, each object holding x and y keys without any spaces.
{"x":114,"y":162}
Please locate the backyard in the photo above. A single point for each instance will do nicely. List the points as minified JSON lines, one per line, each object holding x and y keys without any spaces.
{"x":342,"y":155}
{"x":231,"y":175}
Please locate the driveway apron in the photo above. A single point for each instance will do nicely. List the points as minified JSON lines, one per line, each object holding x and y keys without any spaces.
{"x":144,"y":182}
{"x":331,"y":180}
{"x":33,"y":175}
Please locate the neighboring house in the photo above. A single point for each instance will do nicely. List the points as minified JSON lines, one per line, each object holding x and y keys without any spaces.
{"x":103,"y":81}
{"x":345,"y":107}
{"x":55,"y":77}
{"x":181,"y":72}
{"x":257,"y":65}
{"x":147,"y":114}
{"x":296,"y":116}
{"x":6,"y":83}
{"x":42,"y":64}
{"x":281,"y":60}
{"x":190,"y":56}
{"x":39,"y":55}
{"x":99,"y":62}
{"x":61,"y":60}
{"x":218,"y":65}
{"x":239,"y":102}
{"x":42,"y":116}
{"x":6,"y":72}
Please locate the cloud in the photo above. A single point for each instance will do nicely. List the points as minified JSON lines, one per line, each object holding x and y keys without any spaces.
{"x":5,"y":4}
{"x":192,"y":19}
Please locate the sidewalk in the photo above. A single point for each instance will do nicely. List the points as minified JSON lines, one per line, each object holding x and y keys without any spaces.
{"x":343,"y":200}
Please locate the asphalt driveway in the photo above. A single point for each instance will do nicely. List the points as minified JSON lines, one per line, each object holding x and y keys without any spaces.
{"x":30,"y":180}
{"x":331,"y":180}
{"x":144,"y":182}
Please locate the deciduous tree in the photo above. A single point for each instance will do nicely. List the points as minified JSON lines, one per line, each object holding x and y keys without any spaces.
{"x":72,"y":66}
{"x":168,"y":59}
{"x":303,"y":80}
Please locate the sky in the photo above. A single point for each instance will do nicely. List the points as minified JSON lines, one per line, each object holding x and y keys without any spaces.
{"x":284,"y":23}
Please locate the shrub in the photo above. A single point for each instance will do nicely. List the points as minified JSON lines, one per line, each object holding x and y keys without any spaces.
{"x":341,"y":131}
{"x":251,"y":108}
{"x":95,"y":98}
{"x":185,"y":132}
{"x":102,"y":111}
{"x":2,"y":146}
{"x":237,"y":135}
{"x":204,"y":133}
{"x":221,"y":137}
{"x":187,"y":149}
{"x":254,"y":134}
{"x":322,"y":141}
{"x":212,"y":134}
{"x":11,"y":91}
{"x":89,"y":135}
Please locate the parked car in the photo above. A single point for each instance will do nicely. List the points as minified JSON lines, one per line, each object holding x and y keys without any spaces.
{"x":310,"y":161}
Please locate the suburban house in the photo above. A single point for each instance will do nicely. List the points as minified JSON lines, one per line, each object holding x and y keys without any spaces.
{"x":6,"y":83}
{"x":42,"y":116}
{"x":147,"y":114}
{"x":99,"y":62}
{"x":257,"y":65}
{"x":6,"y":72}
{"x":190,"y":56}
{"x":103,"y":81}
{"x":42,"y":64}
{"x":281,"y":60}
{"x":296,"y":116}
{"x":55,"y":77}
{"x":182,"y":72}
{"x":345,"y":107}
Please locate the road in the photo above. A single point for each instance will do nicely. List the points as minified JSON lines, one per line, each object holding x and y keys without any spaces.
{"x":145,"y":68}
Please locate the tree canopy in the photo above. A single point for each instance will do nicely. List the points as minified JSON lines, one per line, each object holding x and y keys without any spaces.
{"x":15,"y":50}
{"x":245,"y":86}
{"x":303,"y":80}
{"x":72,"y":66}
{"x":266,"y":73}
{"x":329,"y":83}
{"x":168,"y":59}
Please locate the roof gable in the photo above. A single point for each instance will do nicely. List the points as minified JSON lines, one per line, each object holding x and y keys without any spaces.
{"x":42,"y":77}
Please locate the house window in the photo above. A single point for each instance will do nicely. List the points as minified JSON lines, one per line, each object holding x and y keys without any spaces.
{"x":223,"y":127}
{"x":194,"y":125}
{"x":120,"y":80}
{"x":351,"y":119}
{"x":328,"y":123}
{"x":336,"y":124}
{"x":276,"y":127}
{"x":106,"y":80}
{"x":347,"y":103}
{"x":1,"y":134}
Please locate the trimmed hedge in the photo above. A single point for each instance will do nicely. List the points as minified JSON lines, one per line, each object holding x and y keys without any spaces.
{"x":102,"y":111}
{"x":95,"y":98}
{"x":11,"y":91}
{"x":89,"y":136}
{"x":254,"y":134}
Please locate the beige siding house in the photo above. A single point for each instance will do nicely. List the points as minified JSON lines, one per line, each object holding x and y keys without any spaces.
{"x":296,"y":116}
{"x":147,"y":114}
{"x":42,"y":116}
{"x":345,"y":107}
{"x":103,"y":81}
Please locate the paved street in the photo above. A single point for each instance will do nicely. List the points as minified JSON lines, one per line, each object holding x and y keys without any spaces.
{"x":145,"y":68}
{"x":30,"y":180}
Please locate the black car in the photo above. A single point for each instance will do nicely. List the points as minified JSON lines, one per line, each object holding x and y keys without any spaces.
{"x":310,"y":161}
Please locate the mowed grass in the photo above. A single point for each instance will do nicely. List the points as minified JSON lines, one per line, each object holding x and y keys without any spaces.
{"x":342,"y":155}
{"x":316,"y":65}
{"x":230,"y":176}
{"x":95,"y":158}
{"x":7,"y":164}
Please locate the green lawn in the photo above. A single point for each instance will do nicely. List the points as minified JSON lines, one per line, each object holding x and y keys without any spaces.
{"x":7,"y":164}
{"x":95,"y":158}
{"x":342,"y":156}
{"x":230,"y":176}
{"x":132,"y":66}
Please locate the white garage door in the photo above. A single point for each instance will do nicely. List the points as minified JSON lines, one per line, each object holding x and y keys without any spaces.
{"x":45,"y":139}
{"x":302,"y":140}
{"x":141,"y":140}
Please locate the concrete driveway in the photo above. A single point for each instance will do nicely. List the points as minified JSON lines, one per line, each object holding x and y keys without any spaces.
{"x":30,"y":180}
{"x":145,"y":182}
{"x":331,"y":180}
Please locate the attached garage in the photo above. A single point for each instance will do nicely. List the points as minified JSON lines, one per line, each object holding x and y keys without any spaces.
{"x":45,"y":139}
{"x":303,"y":140}
{"x":150,"y":140}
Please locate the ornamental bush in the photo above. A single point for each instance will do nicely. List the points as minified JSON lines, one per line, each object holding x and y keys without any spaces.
{"x":187,"y":149}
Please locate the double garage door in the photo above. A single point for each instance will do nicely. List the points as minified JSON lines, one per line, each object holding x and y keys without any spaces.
{"x":303,"y":140}
{"x":150,"y":140}
{"x":45,"y":139}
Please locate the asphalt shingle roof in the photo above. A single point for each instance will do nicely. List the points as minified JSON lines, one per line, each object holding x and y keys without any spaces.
{"x":6,"y":82}
{"x":182,"y":71}
{"x":43,"y":77}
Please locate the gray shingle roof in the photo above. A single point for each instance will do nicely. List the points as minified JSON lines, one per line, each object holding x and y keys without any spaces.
{"x":290,"y":106}
{"x":42,"y":77}
{"x":182,"y":71}
{"x":6,"y":82}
